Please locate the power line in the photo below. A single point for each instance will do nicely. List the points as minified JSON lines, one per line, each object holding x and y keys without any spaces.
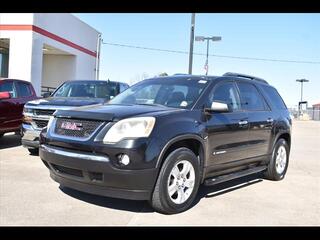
{"x":213,"y":55}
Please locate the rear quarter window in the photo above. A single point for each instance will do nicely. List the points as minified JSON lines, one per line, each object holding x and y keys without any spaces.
{"x":274,"y":97}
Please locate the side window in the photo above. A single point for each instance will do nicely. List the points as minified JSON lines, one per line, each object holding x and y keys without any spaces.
{"x":226,"y":93}
{"x":251,"y":99}
{"x":8,"y":87}
{"x":23,"y":89}
{"x":274,"y":97}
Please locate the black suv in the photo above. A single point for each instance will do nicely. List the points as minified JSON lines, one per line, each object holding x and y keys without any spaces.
{"x":163,"y":137}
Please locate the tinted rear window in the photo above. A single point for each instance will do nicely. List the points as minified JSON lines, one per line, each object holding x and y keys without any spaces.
{"x":274,"y":97}
{"x":24,"y":89}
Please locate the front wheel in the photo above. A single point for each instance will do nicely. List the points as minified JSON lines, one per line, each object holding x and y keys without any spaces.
{"x":279,"y":161}
{"x":178,"y":182}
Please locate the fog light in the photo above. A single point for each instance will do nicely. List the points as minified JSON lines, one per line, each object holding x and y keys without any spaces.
{"x":124,"y":159}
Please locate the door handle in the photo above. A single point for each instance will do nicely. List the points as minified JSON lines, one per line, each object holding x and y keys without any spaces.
{"x":243,"y":122}
{"x":269,"y":120}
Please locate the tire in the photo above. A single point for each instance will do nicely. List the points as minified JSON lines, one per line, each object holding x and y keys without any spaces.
{"x":271,"y":173}
{"x":33,"y":151}
{"x":1,"y":135}
{"x":161,"y":200}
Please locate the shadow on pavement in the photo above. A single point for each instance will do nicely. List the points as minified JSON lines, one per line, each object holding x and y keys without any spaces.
{"x":9,"y":141}
{"x":226,"y":187}
{"x":115,"y":203}
{"x":143,"y":206}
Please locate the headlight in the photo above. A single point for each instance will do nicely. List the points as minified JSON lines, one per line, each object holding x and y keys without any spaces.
{"x":130,"y":128}
{"x":50,"y":122}
{"x":27,"y":111}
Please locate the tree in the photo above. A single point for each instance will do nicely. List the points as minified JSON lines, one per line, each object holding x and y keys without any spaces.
{"x":164,"y":74}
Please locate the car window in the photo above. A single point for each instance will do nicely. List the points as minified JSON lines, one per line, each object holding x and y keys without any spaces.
{"x":226,"y":93}
{"x":23,"y":89}
{"x":8,"y":87}
{"x":177,"y":93}
{"x":274,"y":97}
{"x":96,"y":89}
{"x":251,"y":99}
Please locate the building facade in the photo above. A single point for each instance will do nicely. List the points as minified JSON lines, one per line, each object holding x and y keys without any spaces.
{"x":47,"y":49}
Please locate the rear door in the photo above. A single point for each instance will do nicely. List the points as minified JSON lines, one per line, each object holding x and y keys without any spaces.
{"x":227,"y":132}
{"x":10,"y":116}
{"x":259,"y":117}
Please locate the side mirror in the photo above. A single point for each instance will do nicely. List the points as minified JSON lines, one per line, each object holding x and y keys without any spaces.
{"x":46,"y":94}
{"x":218,"y":107}
{"x":5,"y":95}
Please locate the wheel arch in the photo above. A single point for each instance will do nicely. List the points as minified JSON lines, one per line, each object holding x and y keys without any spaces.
{"x":191,"y":141}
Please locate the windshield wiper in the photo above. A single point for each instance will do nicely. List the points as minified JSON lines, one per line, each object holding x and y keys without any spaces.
{"x":151,"y":104}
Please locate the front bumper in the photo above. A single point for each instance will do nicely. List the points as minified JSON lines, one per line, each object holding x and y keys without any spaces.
{"x":30,"y":136}
{"x":95,"y":174}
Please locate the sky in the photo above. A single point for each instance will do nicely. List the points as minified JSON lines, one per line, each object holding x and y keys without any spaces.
{"x":275,"y":36}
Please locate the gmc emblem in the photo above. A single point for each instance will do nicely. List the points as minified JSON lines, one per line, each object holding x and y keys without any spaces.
{"x":71,"y":126}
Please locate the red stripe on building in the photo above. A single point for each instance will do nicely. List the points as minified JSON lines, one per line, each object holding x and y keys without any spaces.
{"x":47,"y":34}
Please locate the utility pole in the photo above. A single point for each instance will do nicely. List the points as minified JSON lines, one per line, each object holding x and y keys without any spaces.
{"x":191,"y":42}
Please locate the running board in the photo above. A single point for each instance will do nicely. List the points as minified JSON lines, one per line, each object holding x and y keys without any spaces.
{"x":227,"y":177}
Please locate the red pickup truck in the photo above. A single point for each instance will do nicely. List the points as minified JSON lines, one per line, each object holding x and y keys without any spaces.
{"x":13,"y":95}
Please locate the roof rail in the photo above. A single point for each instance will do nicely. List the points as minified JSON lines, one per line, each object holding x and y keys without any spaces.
{"x":231,"y":74}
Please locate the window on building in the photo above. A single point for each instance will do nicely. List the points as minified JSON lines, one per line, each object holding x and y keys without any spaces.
{"x":4,"y":62}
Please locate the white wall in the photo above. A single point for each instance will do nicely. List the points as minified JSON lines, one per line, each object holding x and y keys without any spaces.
{"x":25,"y":53}
{"x":57,"y":69}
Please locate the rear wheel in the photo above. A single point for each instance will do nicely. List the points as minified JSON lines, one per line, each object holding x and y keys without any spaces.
{"x":178,"y":182}
{"x":278,"y":165}
{"x":33,"y":151}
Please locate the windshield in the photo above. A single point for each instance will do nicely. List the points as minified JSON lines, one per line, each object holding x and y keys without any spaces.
{"x":178,"y":93}
{"x":88,"y":89}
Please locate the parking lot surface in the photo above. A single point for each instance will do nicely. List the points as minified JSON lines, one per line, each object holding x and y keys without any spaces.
{"x":28,"y":196}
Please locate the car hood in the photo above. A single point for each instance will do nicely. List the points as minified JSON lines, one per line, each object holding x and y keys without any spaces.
{"x":61,"y":101}
{"x":113,"y":112}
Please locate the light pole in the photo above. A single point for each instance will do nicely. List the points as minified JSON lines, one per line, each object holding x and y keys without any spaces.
{"x":214,"y":39}
{"x":193,"y":16}
{"x":301,"y":81}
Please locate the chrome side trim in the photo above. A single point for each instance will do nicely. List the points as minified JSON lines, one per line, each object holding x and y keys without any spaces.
{"x":86,"y":156}
{"x":219,"y":152}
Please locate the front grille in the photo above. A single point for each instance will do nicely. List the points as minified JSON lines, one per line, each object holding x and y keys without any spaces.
{"x":43,"y":112}
{"x":40,"y":123}
{"x":84,"y":127}
{"x":66,"y":170}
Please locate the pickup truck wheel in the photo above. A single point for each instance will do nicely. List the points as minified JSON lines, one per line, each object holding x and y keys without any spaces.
{"x":33,"y":151}
{"x":278,"y":165}
{"x":178,"y":182}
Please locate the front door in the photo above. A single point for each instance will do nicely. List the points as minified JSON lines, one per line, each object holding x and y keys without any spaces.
{"x":227,"y":132}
